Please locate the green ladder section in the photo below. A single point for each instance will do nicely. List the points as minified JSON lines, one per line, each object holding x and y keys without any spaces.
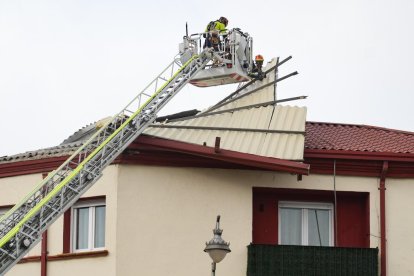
{"x":21,"y":228}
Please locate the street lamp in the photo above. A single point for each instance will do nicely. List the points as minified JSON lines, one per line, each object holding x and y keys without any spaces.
{"x":217,"y":248}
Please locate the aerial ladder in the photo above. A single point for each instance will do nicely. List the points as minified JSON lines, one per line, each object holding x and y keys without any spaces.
{"x":21,"y":227}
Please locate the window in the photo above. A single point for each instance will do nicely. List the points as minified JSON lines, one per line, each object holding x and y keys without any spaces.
{"x":3,"y":211}
{"x":305,"y":223}
{"x":88,"y":225}
{"x":352,"y":215}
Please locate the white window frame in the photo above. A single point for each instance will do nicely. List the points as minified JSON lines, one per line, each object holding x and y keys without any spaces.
{"x":305,"y":206}
{"x":91,"y":204}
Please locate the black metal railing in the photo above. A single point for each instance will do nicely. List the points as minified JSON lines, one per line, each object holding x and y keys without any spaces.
{"x":286,"y":260}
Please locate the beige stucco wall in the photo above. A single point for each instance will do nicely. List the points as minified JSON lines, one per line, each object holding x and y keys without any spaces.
{"x":399,"y":200}
{"x":166,"y":214}
{"x":107,"y":185}
{"x":159,"y":218}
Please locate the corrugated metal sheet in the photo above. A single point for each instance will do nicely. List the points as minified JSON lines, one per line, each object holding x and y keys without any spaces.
{"x":272,"y":131}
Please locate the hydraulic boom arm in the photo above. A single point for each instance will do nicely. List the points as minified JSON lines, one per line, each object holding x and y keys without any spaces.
{"x":21,"y":228}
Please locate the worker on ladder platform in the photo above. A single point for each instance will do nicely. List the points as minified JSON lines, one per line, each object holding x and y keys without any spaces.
{"x":213,"y":29}
{"x":257,"y":72}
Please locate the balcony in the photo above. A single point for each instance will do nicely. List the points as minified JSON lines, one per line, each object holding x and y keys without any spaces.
{"x":272,"y":260}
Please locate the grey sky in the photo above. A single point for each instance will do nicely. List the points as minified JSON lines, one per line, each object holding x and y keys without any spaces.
{"x":65,"y":64}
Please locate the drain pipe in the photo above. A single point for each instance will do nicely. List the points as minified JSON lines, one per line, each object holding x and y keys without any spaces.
{"x":43,"y":256}
{"x":382,"y":219}
{"x":336,"y":204}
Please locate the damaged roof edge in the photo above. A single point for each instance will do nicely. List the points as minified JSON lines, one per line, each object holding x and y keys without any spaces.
{"x":261,"y":162}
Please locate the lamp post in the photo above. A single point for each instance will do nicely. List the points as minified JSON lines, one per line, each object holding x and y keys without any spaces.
{"x":217,"y":248}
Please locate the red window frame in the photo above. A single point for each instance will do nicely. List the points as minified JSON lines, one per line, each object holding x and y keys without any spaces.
{"x":352,"y":229}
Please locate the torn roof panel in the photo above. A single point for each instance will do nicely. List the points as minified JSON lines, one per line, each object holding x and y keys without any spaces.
{"x":272,"y":131}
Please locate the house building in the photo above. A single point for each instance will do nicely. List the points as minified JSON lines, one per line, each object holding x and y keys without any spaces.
{"x":309,"y":198}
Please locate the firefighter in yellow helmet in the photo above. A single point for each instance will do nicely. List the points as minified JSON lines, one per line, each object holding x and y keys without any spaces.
{"x":212,"y":32}
{"x":257,"y":72}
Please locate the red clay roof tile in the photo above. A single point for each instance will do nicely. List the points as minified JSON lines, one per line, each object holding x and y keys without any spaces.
{"x":347,"y":137}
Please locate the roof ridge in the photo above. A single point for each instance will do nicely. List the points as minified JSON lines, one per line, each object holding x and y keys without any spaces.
{"x":364,"y":126}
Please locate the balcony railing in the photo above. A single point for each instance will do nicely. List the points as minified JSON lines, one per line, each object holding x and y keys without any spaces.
{"x":272,"y":260}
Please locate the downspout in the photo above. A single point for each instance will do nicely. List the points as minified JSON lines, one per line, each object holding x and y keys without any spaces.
{"x":335,"y":205}
{"x":43,"y":256}
{"x":382,"y":219}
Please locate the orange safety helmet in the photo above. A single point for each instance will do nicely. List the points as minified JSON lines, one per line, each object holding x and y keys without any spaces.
{"x":224,"y":20}
{"x":259,"y":58}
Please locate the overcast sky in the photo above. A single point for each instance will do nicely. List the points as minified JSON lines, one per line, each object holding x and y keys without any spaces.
{"x":65,"y":64}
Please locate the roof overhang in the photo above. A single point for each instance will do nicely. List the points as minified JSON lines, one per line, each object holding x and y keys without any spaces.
{"x":153,"y":146}
{"x":359,"y":163}
{"x":228,"y":156}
